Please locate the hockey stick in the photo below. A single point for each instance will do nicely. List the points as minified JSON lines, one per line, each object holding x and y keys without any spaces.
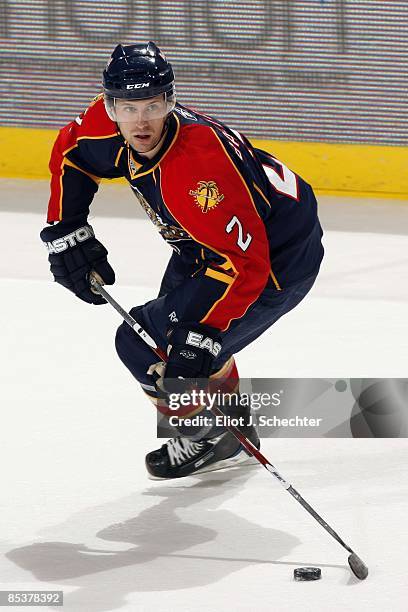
{"x":357,"y":566}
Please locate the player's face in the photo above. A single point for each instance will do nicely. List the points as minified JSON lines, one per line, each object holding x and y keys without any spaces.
{"x":141,"y":121}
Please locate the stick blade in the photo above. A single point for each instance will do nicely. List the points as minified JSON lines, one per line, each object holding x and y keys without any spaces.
{"x":359,"y":569}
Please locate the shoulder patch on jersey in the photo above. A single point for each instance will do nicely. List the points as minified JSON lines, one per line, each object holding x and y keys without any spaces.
{"x":207,"y":195}
{"x":185,"y":113}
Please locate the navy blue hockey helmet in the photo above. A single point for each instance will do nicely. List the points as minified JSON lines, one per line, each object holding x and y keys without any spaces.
{"x":138,"y":72}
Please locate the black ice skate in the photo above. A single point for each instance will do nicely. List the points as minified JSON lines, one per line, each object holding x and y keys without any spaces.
{"x":183,"y":457}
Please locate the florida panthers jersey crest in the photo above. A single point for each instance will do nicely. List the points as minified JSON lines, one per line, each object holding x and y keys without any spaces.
{"x":207,"y":195}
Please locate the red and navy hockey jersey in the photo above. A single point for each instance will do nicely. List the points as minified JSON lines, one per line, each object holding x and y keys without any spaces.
{"x":240,"y":220}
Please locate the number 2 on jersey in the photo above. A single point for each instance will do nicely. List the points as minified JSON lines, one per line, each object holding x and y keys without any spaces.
{"x":243,"y":244}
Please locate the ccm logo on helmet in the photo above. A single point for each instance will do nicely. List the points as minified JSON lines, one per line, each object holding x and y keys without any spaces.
{"x":137,"y":85}
{"x":70,"y":240}
{"x":198,"y":340}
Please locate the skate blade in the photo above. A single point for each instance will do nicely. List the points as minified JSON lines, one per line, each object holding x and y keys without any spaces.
{"x":242,"y":460}
{"x":239,"y":461}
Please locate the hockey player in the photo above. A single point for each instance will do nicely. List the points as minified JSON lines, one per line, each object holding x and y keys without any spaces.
{"x":243,"y":227}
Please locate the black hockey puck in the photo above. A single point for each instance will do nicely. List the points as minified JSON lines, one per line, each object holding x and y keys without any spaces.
{"x":303,"y":574}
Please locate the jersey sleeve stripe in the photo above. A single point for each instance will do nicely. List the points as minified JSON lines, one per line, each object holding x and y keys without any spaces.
{"x":224,"y":295}
{"x":64,"y":153}
{"x":237,"y":171}
{"x":224,"y":278}
{"x":96,"y":179}
{"x":261,"y":193}
{"x":275,"y":280}
{"x":97,"y":137}
{"x":61,"y":191}
{"x":118,"y":156}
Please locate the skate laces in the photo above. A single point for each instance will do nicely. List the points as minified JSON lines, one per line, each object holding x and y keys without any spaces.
{"x":181,"y":449}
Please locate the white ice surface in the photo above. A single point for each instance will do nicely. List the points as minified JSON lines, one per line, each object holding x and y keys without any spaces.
{"x":77,"y":510}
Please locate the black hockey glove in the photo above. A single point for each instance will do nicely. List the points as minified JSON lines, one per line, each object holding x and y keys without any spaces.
{"x":192,"y":350}
{"x":73,"y":253}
